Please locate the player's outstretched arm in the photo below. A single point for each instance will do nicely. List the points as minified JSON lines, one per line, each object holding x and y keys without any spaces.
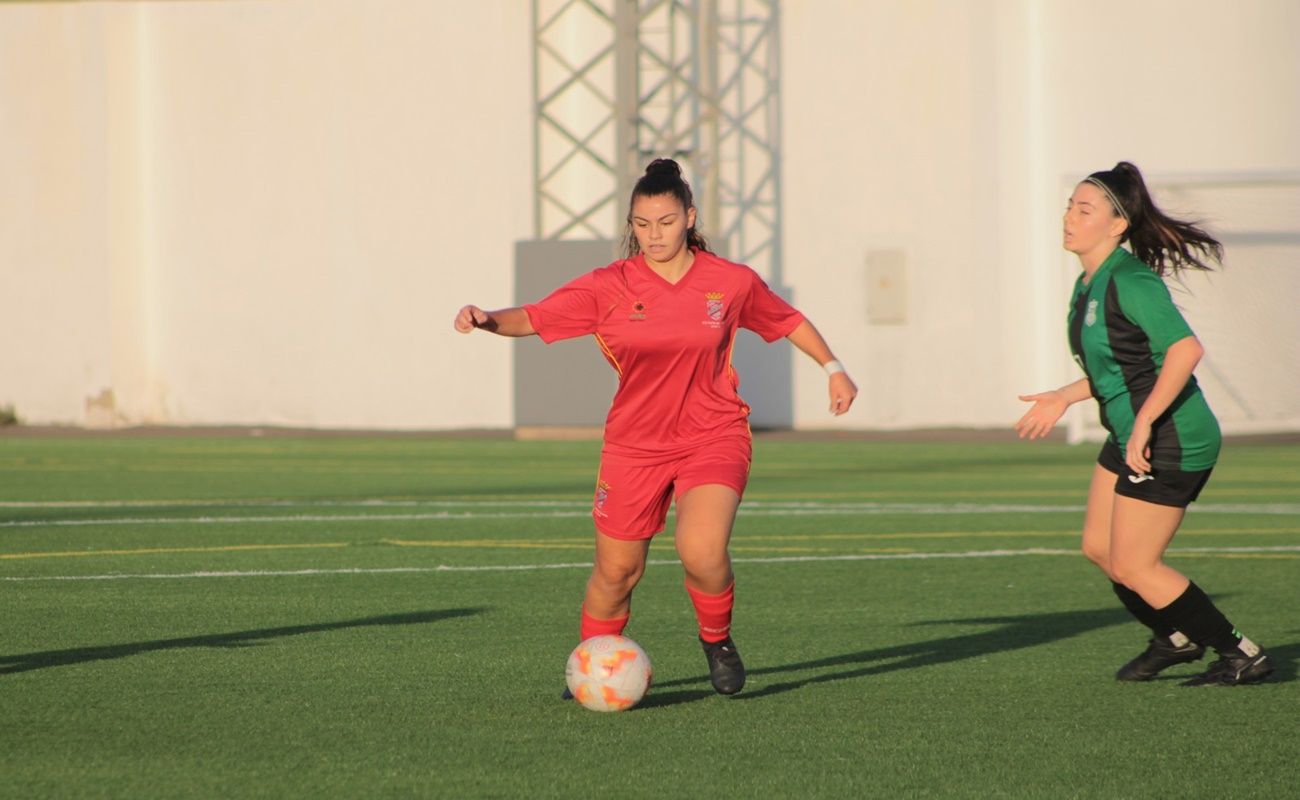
{"x":1048,"y":407}
{"x":503,"y":322}
{"x":841,"y":387}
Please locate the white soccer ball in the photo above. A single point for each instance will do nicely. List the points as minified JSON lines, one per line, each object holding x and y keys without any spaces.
{"x":608,"y":673}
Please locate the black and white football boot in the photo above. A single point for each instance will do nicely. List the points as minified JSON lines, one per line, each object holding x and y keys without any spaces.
{"x":1160,"y":655}
{"x":726,"y":670}
{"x":1235,"y":669}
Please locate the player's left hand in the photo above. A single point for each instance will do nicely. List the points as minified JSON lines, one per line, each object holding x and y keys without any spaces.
{"x":1136,"y":454}
{"x":843,"y":390}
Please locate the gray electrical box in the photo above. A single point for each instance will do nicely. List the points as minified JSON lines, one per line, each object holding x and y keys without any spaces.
{"x":766,"y":376}
{"x":567,"y":384}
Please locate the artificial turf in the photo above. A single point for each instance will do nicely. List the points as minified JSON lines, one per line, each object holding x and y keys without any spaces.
{"x":193,"y":616}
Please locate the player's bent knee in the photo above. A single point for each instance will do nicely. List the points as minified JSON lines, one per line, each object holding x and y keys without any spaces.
{"x":1129,"y":573}
{"x":713,"y":577}
{"x":705,"y":566}
{"x":1097,"y":555}
{"x":617,"y":578}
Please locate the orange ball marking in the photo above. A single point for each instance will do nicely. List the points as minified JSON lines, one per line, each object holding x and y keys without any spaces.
{"x":584,"y":662}
{"x":615,"y":660}
{"x":615,"y":700}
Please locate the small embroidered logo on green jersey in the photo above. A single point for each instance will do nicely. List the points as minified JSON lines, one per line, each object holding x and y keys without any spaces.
{"x":1090,"y":318}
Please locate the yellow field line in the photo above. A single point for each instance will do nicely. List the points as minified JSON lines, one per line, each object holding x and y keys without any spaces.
{"x":821,"y":537}
{"x":490,"y":543}
{"x":913,"y":495}
{"x":735,"y":549}
{"x":1213,"y":531}
{"x":165,"y":550}
{"x":1176,"y":554}
{"x":742,"y":541}
{"x":985,"y":534}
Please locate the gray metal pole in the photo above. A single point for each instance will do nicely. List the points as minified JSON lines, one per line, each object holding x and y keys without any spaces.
{"x":627,"y":93}
{"x":707,"y":162}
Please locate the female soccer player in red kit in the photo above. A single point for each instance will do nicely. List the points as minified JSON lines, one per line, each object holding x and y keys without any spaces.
{"x":666,"y":318}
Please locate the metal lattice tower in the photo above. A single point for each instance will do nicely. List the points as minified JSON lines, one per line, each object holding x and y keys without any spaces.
{"x":619,"y":82}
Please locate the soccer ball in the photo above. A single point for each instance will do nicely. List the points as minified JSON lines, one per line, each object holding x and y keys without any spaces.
{"x":608,"y":673}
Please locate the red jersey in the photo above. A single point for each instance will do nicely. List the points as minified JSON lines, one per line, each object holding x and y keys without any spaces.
{"x":670,"y":344}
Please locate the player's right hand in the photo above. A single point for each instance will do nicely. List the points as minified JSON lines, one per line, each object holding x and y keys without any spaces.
{"x":1038,"y":421}
{"x":470,"y":317}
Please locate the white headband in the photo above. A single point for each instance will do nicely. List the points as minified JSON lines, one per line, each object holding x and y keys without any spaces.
{"x":1114,"y":201}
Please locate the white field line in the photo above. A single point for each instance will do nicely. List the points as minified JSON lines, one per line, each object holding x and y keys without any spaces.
{"x":240,"y":520}
{"x":781,"y":505}
{"x":1032,"y":551}
{"x":755,"y":509}
{"x":363,"y":503}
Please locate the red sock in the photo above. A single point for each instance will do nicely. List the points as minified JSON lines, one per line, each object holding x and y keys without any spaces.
{"x":598,"y":627}
{"x":714,"y":612}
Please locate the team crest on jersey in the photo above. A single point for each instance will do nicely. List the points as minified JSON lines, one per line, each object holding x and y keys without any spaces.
{"x":638,"y":311}
{"x":602,"y":494}
{"x":714,"y":308}
{"x":1090,"y":318}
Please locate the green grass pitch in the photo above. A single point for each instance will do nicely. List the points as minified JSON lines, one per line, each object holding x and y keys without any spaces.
{"x":191,"y":616}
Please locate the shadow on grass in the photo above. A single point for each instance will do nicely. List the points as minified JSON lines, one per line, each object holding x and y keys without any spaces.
{"x":81,"y":655}
{"x":657,"y":699}
{"x":1011,"y":633}
{"x":1285,"y":660}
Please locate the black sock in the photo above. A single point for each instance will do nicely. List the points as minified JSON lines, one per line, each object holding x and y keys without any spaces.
{"x":1195,"y":614}
{"x":1142,"y":610}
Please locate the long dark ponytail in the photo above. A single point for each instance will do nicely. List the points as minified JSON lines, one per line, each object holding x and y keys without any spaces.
{"x":1163,"y":243}
{"x":662,"y":176}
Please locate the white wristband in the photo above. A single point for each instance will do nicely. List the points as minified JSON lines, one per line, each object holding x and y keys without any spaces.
{"x":833,"y":367}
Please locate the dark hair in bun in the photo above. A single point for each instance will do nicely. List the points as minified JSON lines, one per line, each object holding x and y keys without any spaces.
{"x":663,"y":176}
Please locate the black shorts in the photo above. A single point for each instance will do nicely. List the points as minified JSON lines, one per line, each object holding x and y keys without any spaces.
{"x":1162,"y":486}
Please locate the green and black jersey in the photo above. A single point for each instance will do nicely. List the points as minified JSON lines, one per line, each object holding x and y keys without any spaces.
{"x":1122,"y":323}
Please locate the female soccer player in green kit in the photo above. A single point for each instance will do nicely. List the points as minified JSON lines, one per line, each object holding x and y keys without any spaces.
{"x":1138,"y":354}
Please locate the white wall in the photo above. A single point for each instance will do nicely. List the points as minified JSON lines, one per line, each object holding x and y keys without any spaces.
{"x":953,"y":131}
{"x":266,"y":211}
{"x":302,"y":191}
{"x":56,"y":238}
{"x":890,"y":144}
{"x":1234,"y":70}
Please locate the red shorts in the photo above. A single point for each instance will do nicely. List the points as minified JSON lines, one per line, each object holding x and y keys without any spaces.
{"x":632,"y":496}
